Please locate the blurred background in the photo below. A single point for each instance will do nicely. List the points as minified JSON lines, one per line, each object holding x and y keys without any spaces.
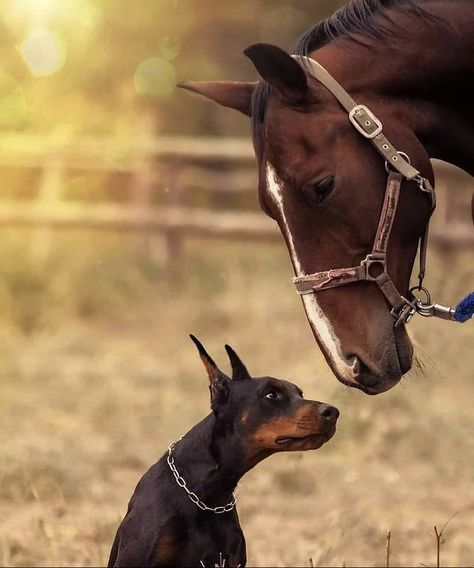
{"x":128,"y":219}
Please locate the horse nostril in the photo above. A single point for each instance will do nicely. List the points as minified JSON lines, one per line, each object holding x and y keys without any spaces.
{"x":362,"y":373}
{"x":329,"y":412}
{"x":356,"y":364}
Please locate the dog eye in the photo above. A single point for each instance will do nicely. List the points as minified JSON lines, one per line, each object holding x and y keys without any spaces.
{"x":273,"y":395}
{"x":316,"y":192}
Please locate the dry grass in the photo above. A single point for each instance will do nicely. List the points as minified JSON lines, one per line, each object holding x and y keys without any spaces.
{"x":98,"y":376}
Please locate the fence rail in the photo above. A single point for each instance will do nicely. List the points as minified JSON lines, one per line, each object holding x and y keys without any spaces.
{"x":196,"y":222}
{"x":175,"y":168}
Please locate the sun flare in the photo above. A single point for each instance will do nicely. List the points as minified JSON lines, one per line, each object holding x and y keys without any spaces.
{"x":43,"y":53}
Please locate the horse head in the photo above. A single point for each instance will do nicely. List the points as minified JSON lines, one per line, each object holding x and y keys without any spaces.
{"x":324,"y":185}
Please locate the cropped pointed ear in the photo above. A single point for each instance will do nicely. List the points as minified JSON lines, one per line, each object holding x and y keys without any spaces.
{"x":239,"y":370}
{"x":280,"y":70}
{"x":232,"y":94}
{"x":218,"y":381}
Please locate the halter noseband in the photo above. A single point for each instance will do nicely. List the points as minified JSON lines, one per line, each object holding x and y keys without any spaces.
{"x":374,"y":266}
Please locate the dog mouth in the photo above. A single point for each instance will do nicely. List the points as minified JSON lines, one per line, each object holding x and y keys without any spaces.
{"x":316,"y":439}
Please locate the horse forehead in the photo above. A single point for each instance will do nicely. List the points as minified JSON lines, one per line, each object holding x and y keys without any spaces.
{"x":286,"y":130}
{"x":294,"y":140}
{"x":312,"y":118}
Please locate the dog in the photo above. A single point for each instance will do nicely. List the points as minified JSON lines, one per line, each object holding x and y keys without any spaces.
{"x":183,"y":511}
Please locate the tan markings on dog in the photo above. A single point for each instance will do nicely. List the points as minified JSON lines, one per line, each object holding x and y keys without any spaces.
{"x":303,"y":423}
{"x":266,"y":434}
{"x":245,"y":417}
{"x":166,"y":550}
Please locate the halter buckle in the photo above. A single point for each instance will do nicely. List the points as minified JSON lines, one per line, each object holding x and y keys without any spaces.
{"x":406,"y":312}
{"x":365,"y":121}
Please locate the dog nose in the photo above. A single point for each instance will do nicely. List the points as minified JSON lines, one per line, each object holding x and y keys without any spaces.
{"x":328,"y":412}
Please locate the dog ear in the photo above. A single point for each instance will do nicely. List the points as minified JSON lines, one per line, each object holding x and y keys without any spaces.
{"x":232,"y":94}
{"x":280,"y":70}
{"x":239,"y":370}
{"x":218,"y":381}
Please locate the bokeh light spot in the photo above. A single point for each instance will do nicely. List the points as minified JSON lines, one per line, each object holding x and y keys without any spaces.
{"x":170,"y":47}
{"x":43,"y":53}
{"x":155,"y":77}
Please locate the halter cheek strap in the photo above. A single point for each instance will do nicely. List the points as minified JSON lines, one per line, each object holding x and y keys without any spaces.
{"x":374,"y":267}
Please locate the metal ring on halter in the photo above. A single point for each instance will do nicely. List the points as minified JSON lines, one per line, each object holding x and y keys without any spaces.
{"x":406,"y":156}
{"x":422,"y":289}
{"x":425,"y":308}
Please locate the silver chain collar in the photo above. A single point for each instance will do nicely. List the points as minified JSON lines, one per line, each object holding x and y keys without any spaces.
{"x":194,"y":498}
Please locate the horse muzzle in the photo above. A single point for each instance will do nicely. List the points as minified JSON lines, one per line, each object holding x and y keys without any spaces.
{"x":380,"y":376}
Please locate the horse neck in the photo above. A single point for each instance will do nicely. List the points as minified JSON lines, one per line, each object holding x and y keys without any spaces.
{"x":423,"y":73}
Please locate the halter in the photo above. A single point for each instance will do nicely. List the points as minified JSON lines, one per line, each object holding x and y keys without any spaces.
{"x":374,"y":266}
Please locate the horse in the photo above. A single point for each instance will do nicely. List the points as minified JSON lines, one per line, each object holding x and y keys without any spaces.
{"x":322,"y":171}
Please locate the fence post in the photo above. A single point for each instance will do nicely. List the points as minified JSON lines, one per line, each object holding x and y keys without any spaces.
{"x":143,"y":174}
{"x":49,"y":194}
{"x":174,"y":239}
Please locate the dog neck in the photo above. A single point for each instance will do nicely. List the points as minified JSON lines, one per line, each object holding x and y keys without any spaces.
{"x":211,"y":461}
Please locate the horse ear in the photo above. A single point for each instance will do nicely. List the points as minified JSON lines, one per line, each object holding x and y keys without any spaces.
{"x":218,"y":381}
{"x":280,"y":70}
{"x":232,"y":94}
{"x":239,"y":370}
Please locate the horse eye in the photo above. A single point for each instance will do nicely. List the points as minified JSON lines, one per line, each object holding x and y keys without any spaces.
{"x":316,"y":192}
{"x":273,"y":395}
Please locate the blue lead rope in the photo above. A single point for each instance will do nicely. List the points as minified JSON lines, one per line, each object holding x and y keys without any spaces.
{"x":465,"y":309}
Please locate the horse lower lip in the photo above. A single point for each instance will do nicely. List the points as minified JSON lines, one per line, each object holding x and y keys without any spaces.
{"x":371,"y":390}
{"x":377,"y":389}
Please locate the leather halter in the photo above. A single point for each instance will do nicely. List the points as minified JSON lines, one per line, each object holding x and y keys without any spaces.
{"x":374,"y":266}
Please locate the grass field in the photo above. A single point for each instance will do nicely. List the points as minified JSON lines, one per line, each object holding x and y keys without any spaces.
{"x":98,"y":376}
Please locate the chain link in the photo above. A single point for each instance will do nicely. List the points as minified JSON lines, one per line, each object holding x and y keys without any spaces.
{"x":194,"y":498}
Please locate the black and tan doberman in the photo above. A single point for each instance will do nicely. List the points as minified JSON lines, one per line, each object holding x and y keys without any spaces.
{"x":183,"y":510}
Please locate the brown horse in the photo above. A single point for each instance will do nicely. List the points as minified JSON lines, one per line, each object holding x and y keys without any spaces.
{"x":412,"y":63}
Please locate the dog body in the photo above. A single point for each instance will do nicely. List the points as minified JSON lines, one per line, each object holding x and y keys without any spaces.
{"x":163,"y":527}
{"x":251,"y":419}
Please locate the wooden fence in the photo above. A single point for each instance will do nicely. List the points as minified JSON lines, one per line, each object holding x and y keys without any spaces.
{"x":174,"y":187}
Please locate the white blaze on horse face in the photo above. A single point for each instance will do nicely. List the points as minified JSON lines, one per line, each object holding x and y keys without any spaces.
{"x":323,"y":329}
{"x":318,"y":320}
{"x":274,"y":186}
{"x":275,"y":189}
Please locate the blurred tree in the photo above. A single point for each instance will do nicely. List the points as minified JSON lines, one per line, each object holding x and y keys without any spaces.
{"x":117,"y":61}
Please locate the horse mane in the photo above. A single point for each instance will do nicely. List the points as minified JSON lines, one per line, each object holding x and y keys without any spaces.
{"x":357,"y":17}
